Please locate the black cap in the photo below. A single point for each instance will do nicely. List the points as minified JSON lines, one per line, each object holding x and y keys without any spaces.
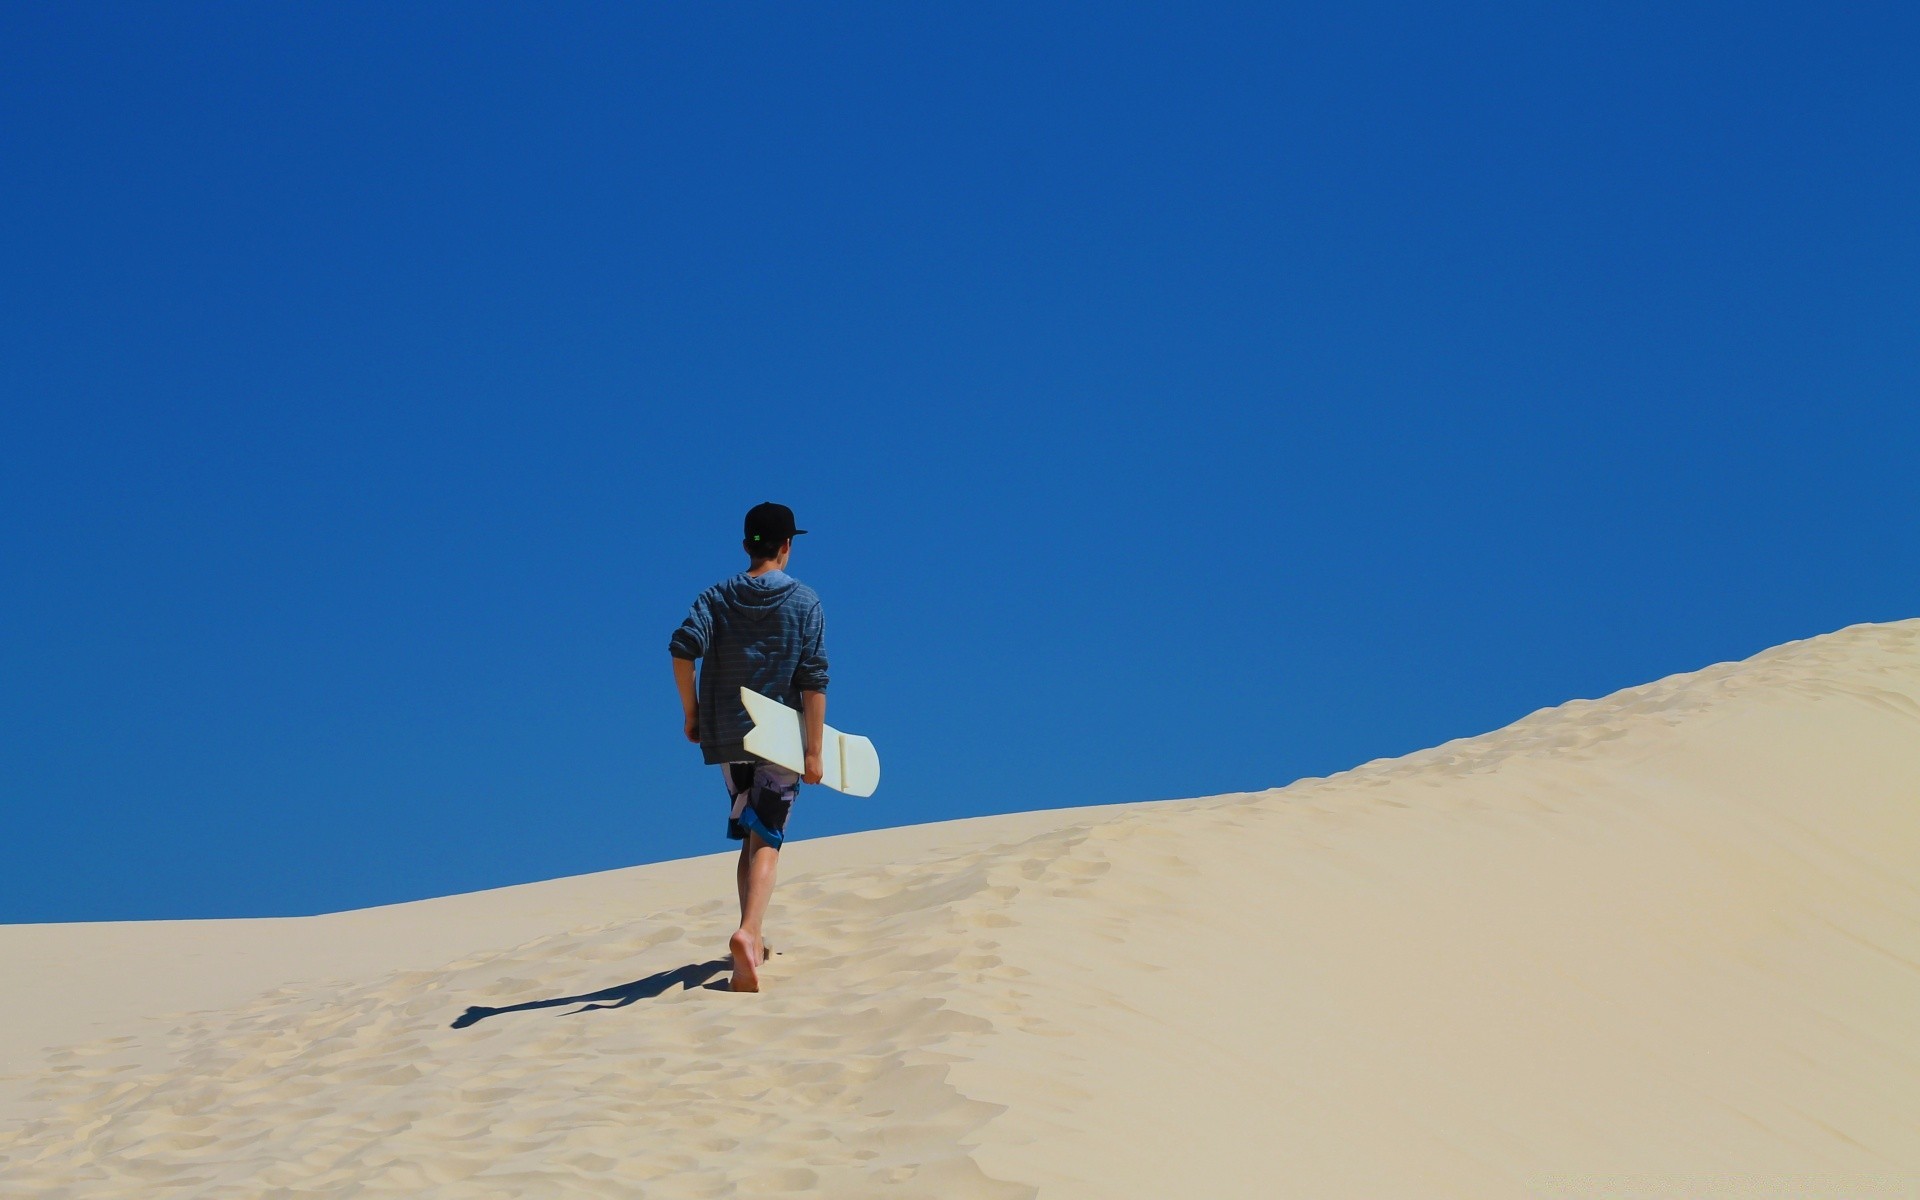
{"x":770,"y":523}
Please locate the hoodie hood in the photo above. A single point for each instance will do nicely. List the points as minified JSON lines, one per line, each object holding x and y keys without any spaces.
{"x":757,"y":597}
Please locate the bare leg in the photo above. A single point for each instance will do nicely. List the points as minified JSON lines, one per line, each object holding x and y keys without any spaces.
{"x":740,"y":872}
{"x":761,"y":861}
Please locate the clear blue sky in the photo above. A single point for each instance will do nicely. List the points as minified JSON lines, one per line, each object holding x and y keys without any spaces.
{"x":1183,"y":399}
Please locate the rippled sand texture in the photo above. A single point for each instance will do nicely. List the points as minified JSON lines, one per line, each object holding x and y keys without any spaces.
{"x":1662,"y":944}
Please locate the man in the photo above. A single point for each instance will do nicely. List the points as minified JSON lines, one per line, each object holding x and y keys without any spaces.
{"x":760,"y":629}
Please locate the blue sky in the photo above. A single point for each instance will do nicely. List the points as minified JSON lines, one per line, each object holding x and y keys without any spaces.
{"x":1183,"y":399}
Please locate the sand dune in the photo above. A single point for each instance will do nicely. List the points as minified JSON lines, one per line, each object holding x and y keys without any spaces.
{"x":1665,"y":943}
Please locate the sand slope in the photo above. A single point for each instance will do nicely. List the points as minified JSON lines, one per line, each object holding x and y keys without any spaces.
{"x":1666,"y":943}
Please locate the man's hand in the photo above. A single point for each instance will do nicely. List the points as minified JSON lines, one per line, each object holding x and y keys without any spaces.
{"x":814,"y":770}
{"x":693,"y":726}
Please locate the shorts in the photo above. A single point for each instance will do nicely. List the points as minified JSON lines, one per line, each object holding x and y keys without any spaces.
{"x":762,"y":795}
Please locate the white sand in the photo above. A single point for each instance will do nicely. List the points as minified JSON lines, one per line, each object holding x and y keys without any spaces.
{"x":1661,"y":944}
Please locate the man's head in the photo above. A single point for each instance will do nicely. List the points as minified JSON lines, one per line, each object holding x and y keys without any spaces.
{"x":770,"y":532}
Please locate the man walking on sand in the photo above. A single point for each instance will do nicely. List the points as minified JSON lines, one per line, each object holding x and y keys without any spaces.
{"x":760,"y":629}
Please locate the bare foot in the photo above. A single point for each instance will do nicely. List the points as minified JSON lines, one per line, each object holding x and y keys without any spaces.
{"x":747,"y":958}
{"x":766,"y":950}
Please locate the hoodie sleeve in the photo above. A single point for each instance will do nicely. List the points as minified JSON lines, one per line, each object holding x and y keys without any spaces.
{"x":696,"y":632}
{"x":811,"y":673}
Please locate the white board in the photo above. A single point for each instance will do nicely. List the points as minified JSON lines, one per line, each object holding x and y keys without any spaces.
{"x":848,"y":762}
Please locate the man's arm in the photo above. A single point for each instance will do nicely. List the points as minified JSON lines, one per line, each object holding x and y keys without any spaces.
{"x":689,"y":702}
{"x":688,"y":643}
{"x":813,"y":723}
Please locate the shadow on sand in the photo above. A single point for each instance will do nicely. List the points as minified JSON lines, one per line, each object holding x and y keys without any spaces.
{"x":691,"y":976}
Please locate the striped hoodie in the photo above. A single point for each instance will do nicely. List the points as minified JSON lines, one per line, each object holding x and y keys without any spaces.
{"x":764,"y":632}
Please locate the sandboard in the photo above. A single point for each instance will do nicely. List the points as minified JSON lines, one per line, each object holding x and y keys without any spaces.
{"x":848,"y":762}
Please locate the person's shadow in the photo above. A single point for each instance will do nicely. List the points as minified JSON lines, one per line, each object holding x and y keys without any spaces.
{"x":691,"y":976}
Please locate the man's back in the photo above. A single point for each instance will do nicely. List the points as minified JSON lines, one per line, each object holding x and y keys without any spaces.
{"x":762,"y":631}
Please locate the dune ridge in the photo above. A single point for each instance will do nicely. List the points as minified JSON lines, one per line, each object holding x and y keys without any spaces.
{"x":1664,"y":943}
